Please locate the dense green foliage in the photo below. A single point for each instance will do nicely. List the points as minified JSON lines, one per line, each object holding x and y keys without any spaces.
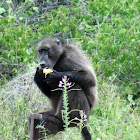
{"x":107,"y":30}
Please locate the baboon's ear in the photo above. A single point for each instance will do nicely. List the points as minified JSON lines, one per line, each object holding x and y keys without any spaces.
{"x":57,"y":41}
{"x":61,"y":40}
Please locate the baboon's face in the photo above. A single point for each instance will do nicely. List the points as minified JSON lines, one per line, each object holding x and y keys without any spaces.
{"x":49,"y":51}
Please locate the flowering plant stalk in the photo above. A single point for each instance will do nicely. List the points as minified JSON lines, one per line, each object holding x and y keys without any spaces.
{"x":65,"y":85}
{"x":82,"y":119}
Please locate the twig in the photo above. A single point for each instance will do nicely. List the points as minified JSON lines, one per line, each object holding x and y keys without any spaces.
{"x":2,"y":3}
{"x":116,"y":75}
{"x":5,"y":59}
{"x":7,"y":98}
{"x":98,"y":25}
{"x":13,"y":64}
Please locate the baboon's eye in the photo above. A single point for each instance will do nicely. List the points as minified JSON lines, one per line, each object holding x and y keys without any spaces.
{"x":40,"y":51}
{"x":43,"y":50}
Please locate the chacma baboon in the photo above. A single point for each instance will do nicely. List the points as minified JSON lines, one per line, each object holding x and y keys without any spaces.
{"x":65,"y":60}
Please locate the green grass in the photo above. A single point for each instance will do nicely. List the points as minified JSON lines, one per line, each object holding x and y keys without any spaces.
{"x":111,"y":119}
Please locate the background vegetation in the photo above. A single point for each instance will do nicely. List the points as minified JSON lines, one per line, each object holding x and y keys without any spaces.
{"x":109,"y":32}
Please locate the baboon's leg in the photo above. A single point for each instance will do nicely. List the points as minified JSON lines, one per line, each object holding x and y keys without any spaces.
{"x":86,"y":134}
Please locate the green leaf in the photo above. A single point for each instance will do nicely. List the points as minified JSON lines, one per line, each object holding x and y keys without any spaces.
{"x":2,"y":10}
{"x":36,"y":9}
{"x":20,"y":18}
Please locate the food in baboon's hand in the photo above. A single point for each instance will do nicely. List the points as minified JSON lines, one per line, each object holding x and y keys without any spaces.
{"x":47,"y":71}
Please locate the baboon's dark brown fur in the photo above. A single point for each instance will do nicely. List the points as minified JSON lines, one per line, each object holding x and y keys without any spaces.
{"x":65,"y":60}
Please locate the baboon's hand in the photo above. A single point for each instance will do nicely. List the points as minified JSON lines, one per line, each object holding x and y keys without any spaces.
{"x":39,"y":76}
{"x":44,"y":120}
{"x":53,"y":77}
